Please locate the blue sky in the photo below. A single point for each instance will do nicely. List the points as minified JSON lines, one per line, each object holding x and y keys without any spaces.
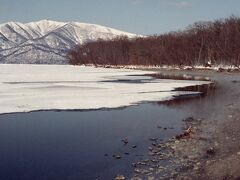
{"x":137,"y":16}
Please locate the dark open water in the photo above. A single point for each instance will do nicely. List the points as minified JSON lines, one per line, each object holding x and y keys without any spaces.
{"x":74,"y":144}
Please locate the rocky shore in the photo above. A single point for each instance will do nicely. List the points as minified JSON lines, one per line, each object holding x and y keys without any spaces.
{"x":209,"y":147}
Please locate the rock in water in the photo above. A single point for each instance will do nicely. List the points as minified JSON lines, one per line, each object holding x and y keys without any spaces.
{"x":120,"y":177}
{"x":125,"y":141}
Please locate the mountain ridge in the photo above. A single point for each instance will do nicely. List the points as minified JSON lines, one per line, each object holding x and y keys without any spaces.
{"x":46,"y":41}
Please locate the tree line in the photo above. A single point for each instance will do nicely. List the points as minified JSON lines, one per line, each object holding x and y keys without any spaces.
{"x":217,"y":42}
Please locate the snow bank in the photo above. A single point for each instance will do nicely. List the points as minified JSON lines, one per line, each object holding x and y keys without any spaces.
{"x":25,"y":88}
{"x":174,"y":67}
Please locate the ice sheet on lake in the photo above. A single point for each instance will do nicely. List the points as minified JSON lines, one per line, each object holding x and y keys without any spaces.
{"x":26,"y":88}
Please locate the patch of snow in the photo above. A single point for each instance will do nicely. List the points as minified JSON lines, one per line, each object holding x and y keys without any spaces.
{"x":25,"y":88}
{"x":175,"y":67}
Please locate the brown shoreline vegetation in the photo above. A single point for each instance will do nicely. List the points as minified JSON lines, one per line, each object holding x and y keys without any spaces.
{"x":203,"y":43}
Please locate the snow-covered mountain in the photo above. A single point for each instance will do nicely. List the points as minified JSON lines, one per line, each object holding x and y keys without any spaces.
{"x":47,"y":42}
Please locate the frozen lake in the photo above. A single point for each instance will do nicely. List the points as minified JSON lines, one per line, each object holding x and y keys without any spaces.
{"x":25,"y":88}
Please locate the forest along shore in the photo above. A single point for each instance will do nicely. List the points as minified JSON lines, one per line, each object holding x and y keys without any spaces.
{"x":209,"y":147}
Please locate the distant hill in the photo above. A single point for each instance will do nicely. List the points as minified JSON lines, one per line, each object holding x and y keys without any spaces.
{"x":48,"y":42}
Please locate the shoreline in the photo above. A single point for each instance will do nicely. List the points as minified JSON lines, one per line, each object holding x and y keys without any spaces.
{"x":215,"y":68}
{"x":212,"y":151}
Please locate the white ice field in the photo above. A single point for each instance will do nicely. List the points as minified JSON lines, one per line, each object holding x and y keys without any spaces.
{"x":25,"y":88}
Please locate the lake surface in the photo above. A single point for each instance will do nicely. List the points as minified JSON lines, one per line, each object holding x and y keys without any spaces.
{"x":73,"y":145}
{"x":80,"y":144}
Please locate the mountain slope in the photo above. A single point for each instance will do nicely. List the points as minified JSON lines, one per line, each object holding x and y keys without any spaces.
{"x":47,"y":42}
